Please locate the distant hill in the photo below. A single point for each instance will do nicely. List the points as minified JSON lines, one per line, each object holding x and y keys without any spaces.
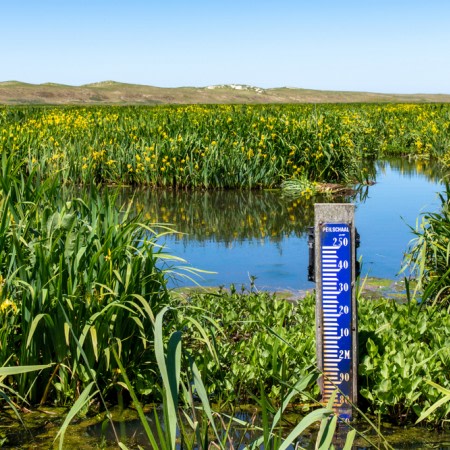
{"x":112,"y":92}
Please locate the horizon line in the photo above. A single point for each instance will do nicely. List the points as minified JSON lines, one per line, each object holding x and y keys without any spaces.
{"x":237,"y":86}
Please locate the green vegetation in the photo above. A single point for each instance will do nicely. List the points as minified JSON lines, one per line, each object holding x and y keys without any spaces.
{"x":271,"y":343}
{"x":86,"y":318}
{"x":227,"y":146}
{"x":401,"y":346}
{"x":260,"y":343}
{"x":428,"y":257}
{"x":77,"y":275}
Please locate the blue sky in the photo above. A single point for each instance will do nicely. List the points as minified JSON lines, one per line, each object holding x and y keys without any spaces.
{"x":368,"y":45}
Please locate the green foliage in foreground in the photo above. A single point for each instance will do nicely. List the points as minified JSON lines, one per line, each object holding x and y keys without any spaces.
{"x":429,"y":257}
{"x":80,"y":279}
{"x":197,"y":425}
{"x":76,"y":277}
{"x":264,"y":341}
{"x":402,"y":346}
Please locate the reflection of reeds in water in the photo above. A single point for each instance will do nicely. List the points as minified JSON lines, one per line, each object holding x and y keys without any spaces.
{"x":232,"y":216}
{"x":410,"y":167}
{"x":226,"y":216}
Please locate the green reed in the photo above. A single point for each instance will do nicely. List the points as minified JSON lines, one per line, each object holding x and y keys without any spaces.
{"x":219,"y":146}
{"x":429,"y":254}
{"x":76,"y":274}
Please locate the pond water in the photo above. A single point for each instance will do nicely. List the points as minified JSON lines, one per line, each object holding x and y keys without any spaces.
{"x":262,"y":234}
{"x":96,"y":432}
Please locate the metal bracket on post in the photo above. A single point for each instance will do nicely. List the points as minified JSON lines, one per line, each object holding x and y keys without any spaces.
{"x":311,"y":254}
{"x":335,"y":265}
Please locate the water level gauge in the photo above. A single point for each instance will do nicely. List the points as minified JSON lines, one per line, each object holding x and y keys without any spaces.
{"x":336,"y":312}
{"x":335,"y":305}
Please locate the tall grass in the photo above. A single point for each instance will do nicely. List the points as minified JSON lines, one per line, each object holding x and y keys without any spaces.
{"x":222,"y":146}
{"x":77,"y":274}
{"x":428,"y":258}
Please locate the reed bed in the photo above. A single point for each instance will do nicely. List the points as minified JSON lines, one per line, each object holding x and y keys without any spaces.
{"x":220,"y":146}
{"x":428,"y":258}
{"x":77,"y":275}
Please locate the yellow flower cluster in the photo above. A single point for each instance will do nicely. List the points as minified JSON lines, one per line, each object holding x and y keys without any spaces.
{"x":7,"y":306}
{"x":219,"y":145}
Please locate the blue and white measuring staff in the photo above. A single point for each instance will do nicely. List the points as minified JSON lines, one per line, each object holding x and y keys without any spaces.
{"x":336,"y":320}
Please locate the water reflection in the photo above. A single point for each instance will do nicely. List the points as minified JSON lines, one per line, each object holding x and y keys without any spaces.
{"x":227,"y":216}
{"x":410,"y":168}
{"x":240,"y":234}
{"x":233,"y":216}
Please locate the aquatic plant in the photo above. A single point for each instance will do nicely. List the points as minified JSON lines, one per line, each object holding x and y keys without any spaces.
{"x":429,"y":255}
{"x":76,"y":274}
{"x":261,"y":343}
{"x":264,"y":344}
{"x":401,"y":345}
{"x":219,"y":146}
